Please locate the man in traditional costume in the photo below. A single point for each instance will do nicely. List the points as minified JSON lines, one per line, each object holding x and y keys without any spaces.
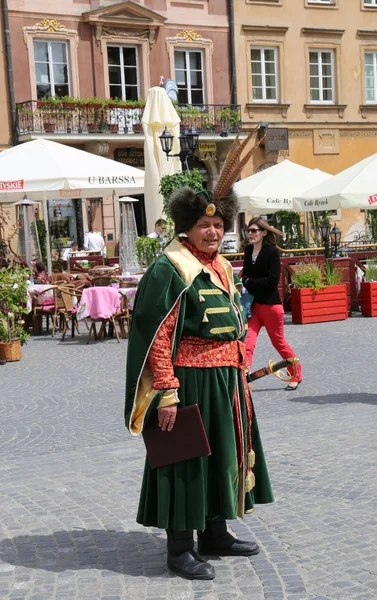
{"x":186,"y":346}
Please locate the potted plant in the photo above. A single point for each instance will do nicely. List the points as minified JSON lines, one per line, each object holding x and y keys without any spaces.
{"x":13,"y":299}
{"x":318,"y":294}
{"x":368,"y":290}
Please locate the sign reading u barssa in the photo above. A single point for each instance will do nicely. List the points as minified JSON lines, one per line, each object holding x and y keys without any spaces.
{"x":114,"y":179}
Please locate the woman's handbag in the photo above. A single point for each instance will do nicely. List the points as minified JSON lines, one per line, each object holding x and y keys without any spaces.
{"x":246,"y":301}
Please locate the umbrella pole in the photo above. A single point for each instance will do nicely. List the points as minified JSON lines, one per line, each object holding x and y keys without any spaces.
{"x":48,"y":246}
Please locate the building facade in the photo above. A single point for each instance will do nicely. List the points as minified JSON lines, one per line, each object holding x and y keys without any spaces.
{"x":311,"y":66}
{"x":97,"y":50}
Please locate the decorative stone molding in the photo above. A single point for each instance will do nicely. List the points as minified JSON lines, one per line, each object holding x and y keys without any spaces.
{"x":367,"y":33}
{"x":274,"y":29}
{"x":48,"y":26}
{"x":366,"y":109}
{"x":358,"y":133}
{"x":323,"y":108}
{"x":316,"y":31}
{"x":141,"y":35}
{"x":274,"y":107}
{"x":188,"y":35}
{"x":300,"y":133}
{"x":326,"y":141}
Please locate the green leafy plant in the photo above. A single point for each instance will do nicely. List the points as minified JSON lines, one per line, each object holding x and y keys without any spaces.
{"x":13,"y":298}
{"x":169,"y":183}
{"x":289,"y":222}
{"x":317,"y":217}
{"x":332,"y":275}
{"x":310,"y":276}
{"x":371,"y":219}
{"x":371,"y":270}
{"x":147,"y":250}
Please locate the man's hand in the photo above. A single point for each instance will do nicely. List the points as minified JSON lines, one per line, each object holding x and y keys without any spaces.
{"x":166,"y":417}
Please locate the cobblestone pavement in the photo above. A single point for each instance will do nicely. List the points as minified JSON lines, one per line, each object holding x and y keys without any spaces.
{"x":70,"y":477}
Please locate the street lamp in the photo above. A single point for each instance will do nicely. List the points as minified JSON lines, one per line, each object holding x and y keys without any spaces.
{"x":189,"y":143}
{"x":335,"y":235}
{"x":324,"y":229}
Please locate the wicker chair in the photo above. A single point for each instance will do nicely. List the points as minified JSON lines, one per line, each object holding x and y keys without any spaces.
{"x":102,"y":281}
{"x":123,"y":316}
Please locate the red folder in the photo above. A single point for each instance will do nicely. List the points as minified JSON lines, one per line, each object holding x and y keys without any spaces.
{"x":187,"y":439}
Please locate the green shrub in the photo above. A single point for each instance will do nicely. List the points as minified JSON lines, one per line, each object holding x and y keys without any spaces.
{"x":310,"y":276}
{"x":148,"y":249}
{"x":332,"y":275}
{"x":371,"y":270}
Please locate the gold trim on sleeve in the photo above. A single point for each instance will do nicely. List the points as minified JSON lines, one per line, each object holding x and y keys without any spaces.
{"x":217,"y":310}
{"x":218,"y":330}
{"x":210,"y":292}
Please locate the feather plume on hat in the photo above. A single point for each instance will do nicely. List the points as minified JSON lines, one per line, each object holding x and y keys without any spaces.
{"x":185,"y":206}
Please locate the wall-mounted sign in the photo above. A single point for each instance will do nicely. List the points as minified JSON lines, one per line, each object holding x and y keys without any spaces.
{"x":276,"y":139}
{"x":207,"y":150}
{"x":130,"y":156}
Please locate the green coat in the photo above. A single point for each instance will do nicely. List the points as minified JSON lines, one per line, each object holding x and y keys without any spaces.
{"x":182,"y":495}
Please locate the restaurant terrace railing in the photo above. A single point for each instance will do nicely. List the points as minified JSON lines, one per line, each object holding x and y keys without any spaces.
{"x":38,"y":116}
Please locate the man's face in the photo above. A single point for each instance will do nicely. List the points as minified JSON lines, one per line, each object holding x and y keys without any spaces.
{"x":207,"y":234}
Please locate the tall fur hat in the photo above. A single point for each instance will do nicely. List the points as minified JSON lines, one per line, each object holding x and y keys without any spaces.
{"x":185,"y":206}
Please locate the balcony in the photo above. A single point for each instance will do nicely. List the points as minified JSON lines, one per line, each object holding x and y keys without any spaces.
{"x":108,"y":119}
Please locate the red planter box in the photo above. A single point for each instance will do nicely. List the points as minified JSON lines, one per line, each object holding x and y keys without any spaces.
{"x":328,"y":304}
{"x":368,"y":298}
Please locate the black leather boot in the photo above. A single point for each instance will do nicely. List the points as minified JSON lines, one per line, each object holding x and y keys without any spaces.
{"x":217,"y":541}
{"x":182,"y":558}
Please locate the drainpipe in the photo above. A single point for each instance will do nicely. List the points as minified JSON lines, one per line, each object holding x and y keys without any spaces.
{"x":8,"y":55}
{"x":232,"y":54}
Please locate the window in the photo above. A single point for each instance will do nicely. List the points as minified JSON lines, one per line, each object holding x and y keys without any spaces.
{"x":123,"y":72}
{"x":189,"y":76}
{"x":370,"y":3}
{"x":321,"y":63}
{"x":51,"y":68}
{"x":264,"y":79}
{"x":320,"y":1}
{"x":370,"y":73}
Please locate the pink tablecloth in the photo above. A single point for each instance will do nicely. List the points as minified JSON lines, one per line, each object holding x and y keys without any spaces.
{"x":98,"y":303}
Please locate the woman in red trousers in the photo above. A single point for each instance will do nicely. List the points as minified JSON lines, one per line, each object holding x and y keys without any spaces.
{"x":260,"y":276}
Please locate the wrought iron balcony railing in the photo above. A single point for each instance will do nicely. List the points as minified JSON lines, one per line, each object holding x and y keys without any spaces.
{"x":71,"y":118}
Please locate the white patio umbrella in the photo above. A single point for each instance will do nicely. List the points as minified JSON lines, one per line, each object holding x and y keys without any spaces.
{"x":49,"y":170}
{"x":274,"y":188}
{"x":159,"y":113}
{"x":355,"y":187}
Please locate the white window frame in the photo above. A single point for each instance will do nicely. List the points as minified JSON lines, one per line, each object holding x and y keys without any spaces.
{"x":321,"y":2}
{"x":370,"y":3}
{"x":122,"y":77}
{"x":319,"y":52}
{"x":374,"y":54}
{"x":276,"y":63}
{"x":187,"y":66}
{"x":50,"y":63}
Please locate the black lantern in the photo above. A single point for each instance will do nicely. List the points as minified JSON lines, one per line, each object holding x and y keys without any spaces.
{"x":335,"y":235}
{"x":324,"y":229}
{"x":166,"y":140}
{"x":188,"y":141}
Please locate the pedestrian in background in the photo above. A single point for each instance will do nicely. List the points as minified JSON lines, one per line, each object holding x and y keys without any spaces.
{"x":159,"y":229}
{"x":261,"y":276}
{"x":94,"y":242}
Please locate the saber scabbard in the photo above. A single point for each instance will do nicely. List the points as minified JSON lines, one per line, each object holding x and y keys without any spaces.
{"x":275,"y":368}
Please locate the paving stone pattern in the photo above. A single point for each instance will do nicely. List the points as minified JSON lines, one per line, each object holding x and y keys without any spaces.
{"x":70,"y":477}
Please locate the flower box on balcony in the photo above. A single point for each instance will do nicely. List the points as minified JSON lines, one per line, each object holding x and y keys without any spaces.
{"x":326,"y":304}
{"x":368,"y":298}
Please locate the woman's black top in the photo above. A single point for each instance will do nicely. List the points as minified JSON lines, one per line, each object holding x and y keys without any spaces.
{"x":262,"y":278}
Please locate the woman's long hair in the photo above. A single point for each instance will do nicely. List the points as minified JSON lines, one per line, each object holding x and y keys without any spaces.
{"x":270,"y":238}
